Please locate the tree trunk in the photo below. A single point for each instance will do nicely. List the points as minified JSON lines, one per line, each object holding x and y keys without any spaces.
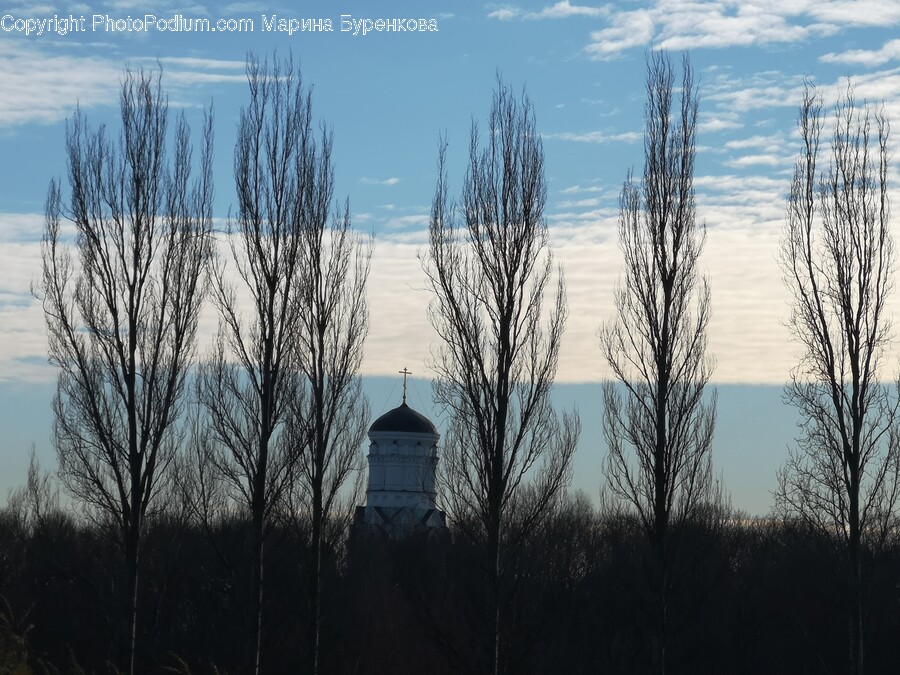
{"x":661,"y":491}
{"x":260,"y":497}
{"x":494,"y":590}
{"x":493,"y":622}
{"x":315,"y":581}
{"x":661,"y":590}
{"x":256,"y":582}
{"x":131,"y":570}
{"x":855,"y":585}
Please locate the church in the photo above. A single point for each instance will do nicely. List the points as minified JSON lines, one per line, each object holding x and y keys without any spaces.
{"x":401,"y":494}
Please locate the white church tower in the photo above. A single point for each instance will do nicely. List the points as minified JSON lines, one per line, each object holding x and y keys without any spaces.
{"x":402,"y":465}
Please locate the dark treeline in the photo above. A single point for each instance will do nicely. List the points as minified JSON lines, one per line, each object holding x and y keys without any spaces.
{"x":754,"y":596}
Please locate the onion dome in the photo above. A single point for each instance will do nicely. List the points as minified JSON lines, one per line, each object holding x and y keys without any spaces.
{"x":403,"y":419}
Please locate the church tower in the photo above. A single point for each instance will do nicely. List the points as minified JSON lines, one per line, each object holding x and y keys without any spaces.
{"x":401,"y":493}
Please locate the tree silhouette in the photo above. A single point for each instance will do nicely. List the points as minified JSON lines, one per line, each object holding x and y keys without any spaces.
{"x":506,"y":451}
{"x":656,"y":422}
{"x":328,"y":416}
{"x":837,"y":258}
{"x":122,"y":313}
{"x":251,"y":379}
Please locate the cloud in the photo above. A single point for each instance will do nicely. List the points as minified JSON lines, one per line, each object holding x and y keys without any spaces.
{"x":757,"y":160}
{"x":767,"y":151}
{"x":578,"y":218}
{"x":596,"y":137}
{"x":878,"y":13}
{"x":732,"y":99}
{"x":715,"y":122}
{"x":24,"y":353}
{"x":626,"y":30}
{"x":890,"y":51}
{"x":505,"y":13}
{"x":707,"y":26}
{"x":193,"y":62}
{"x":564,"y":9}
{"x":773,"y":142}
{"x":406,"y":222}
{"x":42,"y":86}
{"x":716,"y":24}
{"x":746,"y":334}
{"x":375,"y":181}
{"x":744,"y":217}
{"x":578,"y":189}
{"x":45,"y":88}
{"x":580,"y":203}
{"x":561,"y":10}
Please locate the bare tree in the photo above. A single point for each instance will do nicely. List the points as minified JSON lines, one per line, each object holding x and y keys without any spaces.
{"x":329,"y":415}
{"x":250,"y":379}
{"x":489,"y":265}
{"x":837,"y":257}
{"x":122,"y":316}
{"x":656,"y":421}
{"x":285,"y":405}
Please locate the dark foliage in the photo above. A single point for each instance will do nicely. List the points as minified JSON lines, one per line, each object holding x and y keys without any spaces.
{"x":749,"y":601}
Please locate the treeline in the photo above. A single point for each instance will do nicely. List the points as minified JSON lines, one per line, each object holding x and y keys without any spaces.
{"x":754,"y":596}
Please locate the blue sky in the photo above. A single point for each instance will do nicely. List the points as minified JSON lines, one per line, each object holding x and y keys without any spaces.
{"x":389,"y":95}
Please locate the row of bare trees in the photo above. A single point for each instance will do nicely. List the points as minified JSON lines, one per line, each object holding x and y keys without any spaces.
{"x":283,"y":415}
{"x":843,"y":477}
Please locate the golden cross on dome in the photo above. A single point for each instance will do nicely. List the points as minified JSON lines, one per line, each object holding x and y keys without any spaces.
{"x":404,"y":373}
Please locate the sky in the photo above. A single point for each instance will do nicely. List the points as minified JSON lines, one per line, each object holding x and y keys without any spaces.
{"x":389,"y":96}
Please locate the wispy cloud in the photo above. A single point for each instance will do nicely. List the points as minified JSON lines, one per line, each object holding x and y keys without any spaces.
{"x":565,"y":9}
{"x":735,"y":96}
{"x":732,"y":98}
{"x":561,"y":10}
{"x":596,"y":137}
{"x":714,"y":122}
{"x":626,"y":30}
{"x":880,"y":13}
{"x":744,"y":216}
{"x":406,"y":222}
{"x":732,"y":23}
{"x":210,"y":64}
{"x":44,"y":86}
{"x":580,"y":189}
{"x":869,"y":58}
{"x":505,"y":13}
{"x":393,"y":180}
{"x":580,"y":203}
{"x":771,"y":143}
{"x":757,"y":160}
{"x":24,"y":353}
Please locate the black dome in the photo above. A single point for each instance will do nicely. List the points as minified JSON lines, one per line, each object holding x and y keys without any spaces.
{"x":403,"y":419}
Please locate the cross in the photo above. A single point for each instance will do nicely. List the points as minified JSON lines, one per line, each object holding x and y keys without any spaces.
{"x":404,"y":373}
